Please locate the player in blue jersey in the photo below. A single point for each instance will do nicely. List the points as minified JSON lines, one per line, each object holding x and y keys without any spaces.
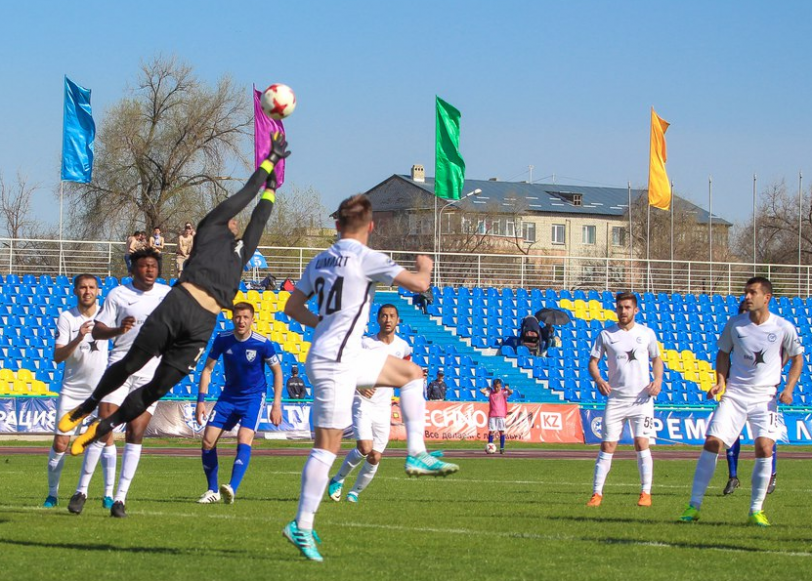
{"x":242,"y":401}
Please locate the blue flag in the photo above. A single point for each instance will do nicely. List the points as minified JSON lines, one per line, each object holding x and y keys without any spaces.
{"x":78,"y":132}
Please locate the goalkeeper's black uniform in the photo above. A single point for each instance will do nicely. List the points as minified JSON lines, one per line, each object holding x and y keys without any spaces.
{"x":179,"y":329}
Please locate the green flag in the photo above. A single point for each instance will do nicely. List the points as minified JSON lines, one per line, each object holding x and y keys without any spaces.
{"x":449,"y":167}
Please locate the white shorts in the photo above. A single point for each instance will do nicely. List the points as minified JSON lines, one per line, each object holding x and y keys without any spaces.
{"x":638,"y":412}
{"x":496,"y":424}
{"x":65,"y":403}
{"x":133,"y":382}
{"x":734,"y":411}
{"x":334,"y":385}
{"x":372,"y":421}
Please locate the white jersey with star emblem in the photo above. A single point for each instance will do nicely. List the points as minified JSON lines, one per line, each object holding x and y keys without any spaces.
{"x":127,"y":301}
{"x":628,"y":355}
{"x":85,"y":366}
{"x":756,"y":352}
{"x":397,"y":348}
{"x":343,"y":278}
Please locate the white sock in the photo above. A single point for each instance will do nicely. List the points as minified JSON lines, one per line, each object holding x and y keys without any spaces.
{"x":602,"y":467}
{"x":762,"y":472}
{"x":56,"y":461}
{"x":645,"y":466}
{"x":365,"y":476}
{"x":351,"y":462}
{"x":129,"y":463}
{"x":315,"y":476}
{"x":91,"y":458}
{"x":413,"y":408}
{"x":109,"y":466}
{"x":705,"y":467}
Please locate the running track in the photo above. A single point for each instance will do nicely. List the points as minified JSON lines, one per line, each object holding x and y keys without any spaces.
{"x":533,"y":454}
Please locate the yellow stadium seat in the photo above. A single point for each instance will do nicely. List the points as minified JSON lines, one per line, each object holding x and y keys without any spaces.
{"x":239,"y":297}
{"x":252,"y":297}
{"x":5,"y":389}
{"x":25,"y":375}
{"x":20,"y":387}
{"x":7,"y":375}
{"x":566,"y":304}
{"x":39,"y":388}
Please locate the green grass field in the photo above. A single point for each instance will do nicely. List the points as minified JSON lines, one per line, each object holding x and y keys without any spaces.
{"x":499,"y":518}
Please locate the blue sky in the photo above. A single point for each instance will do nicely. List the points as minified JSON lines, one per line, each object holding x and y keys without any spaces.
{"x":563,"y":86}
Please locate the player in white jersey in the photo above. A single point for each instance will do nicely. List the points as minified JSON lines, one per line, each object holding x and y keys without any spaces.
{"x":85,"y":360}
{"x":371,"y":412}
{"x":752,"y":349}
{"x":629,"y":348}
{"x":125,"y":309}
{"x":343,"y":279}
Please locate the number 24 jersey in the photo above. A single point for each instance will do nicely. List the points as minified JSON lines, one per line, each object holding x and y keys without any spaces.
{"x":343,"y":279}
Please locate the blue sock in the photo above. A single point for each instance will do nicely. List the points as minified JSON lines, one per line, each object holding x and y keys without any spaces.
{"x":210,"y":467}
{"x":490,"y":437}
{"x":733,"y":459}
{"x":775,"y":457}
{"x":240,"y":465}
{"x":501,"y":441}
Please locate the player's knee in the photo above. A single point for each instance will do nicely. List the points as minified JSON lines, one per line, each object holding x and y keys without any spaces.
{"x":364,"y":448}
{"x":713,"y":445}
{"x":374,"y":457}
{"x":60,"y":445}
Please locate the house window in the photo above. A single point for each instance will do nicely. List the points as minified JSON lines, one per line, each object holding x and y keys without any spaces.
{"x":496,"y":228}
{"x":412,"y":224}
{"x":426,"y":225}
{"x":559,"y":234}
{"x":558,"y":273}
{"x":618,"y":236}
{"x":529,"y":232}
{"x":482,"y":227}
{"x":510,"y":228}
{"x":588,"y":234}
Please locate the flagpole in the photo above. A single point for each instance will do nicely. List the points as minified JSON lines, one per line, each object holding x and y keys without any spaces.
{"x":710,"y":234}
{"x":436,"y":256}
{"x":631,"y":238}
{"x":800,"y":212}
{"x":755,"y":179}
{"x":648,"y":249}
{"x":672,"y":237}
{"x":61,"y":185}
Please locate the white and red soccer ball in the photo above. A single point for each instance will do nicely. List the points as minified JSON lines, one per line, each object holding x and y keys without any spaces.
{"x":278,"y":101}
{"x":490,"y":448}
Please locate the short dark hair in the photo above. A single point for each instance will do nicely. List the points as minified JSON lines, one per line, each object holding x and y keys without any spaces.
{"x":243,"y":307}
{"x":77,"y":280}
{"x":497,"y":381}
{"x":354,"y":213}
{"x":763,"y":282}
{"x":626,"y":296}
{"x":389,"y":306}
{"x":141,"y":253}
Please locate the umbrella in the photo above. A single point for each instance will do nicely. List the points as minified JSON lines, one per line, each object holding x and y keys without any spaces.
{"x":553,"y":317}
{"x":256,"y":261}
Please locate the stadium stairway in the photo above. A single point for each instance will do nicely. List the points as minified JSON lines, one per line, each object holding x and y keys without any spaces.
{"x":467,"y":370}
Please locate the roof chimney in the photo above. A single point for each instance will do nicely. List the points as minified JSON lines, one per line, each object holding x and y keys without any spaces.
{"x":418,"y":173}
{"x":493,"y":179}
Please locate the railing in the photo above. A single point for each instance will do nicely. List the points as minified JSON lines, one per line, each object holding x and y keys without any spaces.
{"x":105,"y":258}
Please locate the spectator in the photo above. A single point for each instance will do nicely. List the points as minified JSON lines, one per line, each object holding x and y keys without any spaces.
{"x":130,"y":247}
{"x":547,"y":338}
{"x":185,"y":243}
{"x":423,"y":300}
{"x":437,"y":387}
{"x":295,"y":385}
{"x":156,"y":241}
{"x":530,"y":333}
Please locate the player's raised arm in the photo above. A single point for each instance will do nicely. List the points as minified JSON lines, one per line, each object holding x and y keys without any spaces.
{"x":420,"y":280}
{"x":296,"y":308}
{"x":235,"y":204}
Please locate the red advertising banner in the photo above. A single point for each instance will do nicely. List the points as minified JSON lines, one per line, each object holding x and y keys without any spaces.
{"x":526,"y":422}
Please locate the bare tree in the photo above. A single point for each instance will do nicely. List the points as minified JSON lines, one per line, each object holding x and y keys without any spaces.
{"x":161,"y":152}
{"x":15,"y":207}
{"x":298,"y":213}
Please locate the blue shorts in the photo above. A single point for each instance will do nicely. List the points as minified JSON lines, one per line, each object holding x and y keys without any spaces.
{"x":227,"y":414}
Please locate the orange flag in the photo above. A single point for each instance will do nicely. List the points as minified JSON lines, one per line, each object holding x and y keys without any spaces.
{"x":659,"y":188}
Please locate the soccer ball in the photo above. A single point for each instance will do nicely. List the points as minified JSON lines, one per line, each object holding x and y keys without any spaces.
{"x":278,"y":101}
{"x":490,"y":448}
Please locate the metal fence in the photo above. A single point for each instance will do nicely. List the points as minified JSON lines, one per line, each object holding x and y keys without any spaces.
{"x":105,"y":258}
